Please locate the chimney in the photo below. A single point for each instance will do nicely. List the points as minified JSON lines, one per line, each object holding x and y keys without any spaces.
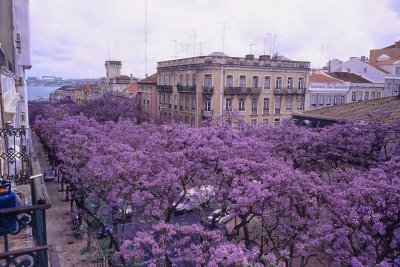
{"x":362,"y":58}
{"x":397,"y":44}
{"x":131,"y":78}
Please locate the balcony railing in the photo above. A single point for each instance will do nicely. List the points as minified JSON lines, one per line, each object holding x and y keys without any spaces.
{"x":293,"y":91}
{"x":165,"y":88}
{"x":206,"y":113}
{"x":208,"y":89}
{"x":186,"y":88}
{"x":254,"y":112}
{"x":242,"y":90}
{"x":31,"y":257}
{"x":13,"y":220}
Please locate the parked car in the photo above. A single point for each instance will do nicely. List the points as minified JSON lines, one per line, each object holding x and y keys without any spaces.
{"x":194,"y":198}
{"x":48,"y":176}
{"x":220,"y":217}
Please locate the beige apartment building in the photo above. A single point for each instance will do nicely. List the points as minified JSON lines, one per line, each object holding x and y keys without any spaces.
{"x":262,"y":90}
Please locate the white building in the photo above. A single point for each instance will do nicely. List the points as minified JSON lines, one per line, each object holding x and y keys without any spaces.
{"x":336,"y":88}
{"x":14,"y":61}
{"x":115,"y":82}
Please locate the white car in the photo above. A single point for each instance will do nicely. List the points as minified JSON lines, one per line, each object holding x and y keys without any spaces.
{"x":195,"y":198}
{"x":220,"y":217}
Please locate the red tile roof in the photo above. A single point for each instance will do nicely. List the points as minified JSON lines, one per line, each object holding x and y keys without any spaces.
{"x":151,"y":79}
{"x":323,"y":78}
{"x":131,"y":89}
{"x":348,"y":77}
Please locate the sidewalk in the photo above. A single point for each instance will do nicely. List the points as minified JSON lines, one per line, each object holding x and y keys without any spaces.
{"x":58,"y":219}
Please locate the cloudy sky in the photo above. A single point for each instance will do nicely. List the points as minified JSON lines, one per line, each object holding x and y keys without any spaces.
{"x":73,"y":38}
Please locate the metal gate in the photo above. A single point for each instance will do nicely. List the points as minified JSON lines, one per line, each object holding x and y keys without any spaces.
{"x":14,"y":157}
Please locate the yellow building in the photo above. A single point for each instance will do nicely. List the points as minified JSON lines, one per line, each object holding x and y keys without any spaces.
{"x":262,"y":90}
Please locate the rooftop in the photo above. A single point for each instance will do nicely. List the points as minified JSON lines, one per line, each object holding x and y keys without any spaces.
{"x":322,"y":77}
{"x":219,"y":58}
{"x":358,"y":110}
{"x":348,"y":77}
{"x":151,"y":79}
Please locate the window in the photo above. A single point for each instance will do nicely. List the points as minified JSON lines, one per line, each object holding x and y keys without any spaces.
{"x":353,"y":96}
{"x":193,"y":81}
{"x":373,"y":95}
{"x":389,"y":86}
{"x":253,"y":122}
{"x":365,"y":70}
{"x":335,"y":100}
{"x":193,"y":123}
{"x":342,"y":99}
{"x":229,"y":80}
{"x":207,"y":80}
{"x":328,"y":100}
{"x":314,"y":100}
{"x":181,"y":101}
{"x":242,"y":81}
{"x":378,"y":95}
{"x":321,"y":100}
{"x":277,"y":121}
{"x":254,"y":104}
{"x":366,"y":96}
{"x":166,"y":79}
{"x":255,"y":82}
{"x":193,"y":102}
{"x":187,"y":101}
{"x":299,"y":103}
{"x":277,"y":105}
{"x":290,"y":83}
{"x":267,"y":82}
{"x":288,"y":103}
{"x":397,"y":71}
{"x":266,"y":106}
{"x":278,"y":83}
{"x":228,"y":104}
{"x":359,"y":96}
{"x":265,"y":121}
{"x":242,"y":105}
{"x":301,"y":82}
{"x":187,"y":81}
{"x":207,"y":105}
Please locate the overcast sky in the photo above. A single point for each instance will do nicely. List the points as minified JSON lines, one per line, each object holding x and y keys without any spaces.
{"x":73,"y":38}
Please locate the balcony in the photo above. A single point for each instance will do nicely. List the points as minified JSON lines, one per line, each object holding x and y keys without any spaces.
{"x":186,"y":89}
{"x":293,"y":91}
{"x":208,"y":89}
{"x":165,"y":88}
{"x":242,"y":90}
{"x":206,"y":113}
{"x":254,"y":112}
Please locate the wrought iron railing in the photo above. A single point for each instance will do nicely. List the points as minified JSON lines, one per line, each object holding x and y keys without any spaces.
{"x":13,"y":150}
{"x":30,"y":257}
{"x":13,"y":220}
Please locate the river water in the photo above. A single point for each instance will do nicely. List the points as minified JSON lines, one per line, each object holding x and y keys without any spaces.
{"x":36,"y":92}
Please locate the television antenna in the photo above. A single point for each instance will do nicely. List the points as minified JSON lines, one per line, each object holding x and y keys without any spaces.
{"x":224,"y":28}
{"x":251,"y":46}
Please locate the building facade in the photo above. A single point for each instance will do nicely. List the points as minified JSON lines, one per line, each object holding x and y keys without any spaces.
{"x":114,"y":81}
{"x":338,"y":88}
{"x":262,"y":90}
{"x":148,"y":96}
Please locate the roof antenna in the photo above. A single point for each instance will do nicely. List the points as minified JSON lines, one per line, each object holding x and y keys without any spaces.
{"x":145,"y":38}
{"x":251,"y":46}
{"x":108,"y":50}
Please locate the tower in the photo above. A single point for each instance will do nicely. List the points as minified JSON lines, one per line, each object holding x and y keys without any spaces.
{"x":113,"y":69}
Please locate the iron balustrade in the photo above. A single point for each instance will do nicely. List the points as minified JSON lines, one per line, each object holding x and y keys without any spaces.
{"x":242,"y":90}
{"x":292,"y":91}
{"x":206,"y":113}
{"x":186,"y":88}
{"x":165,"y":88}
{"x":208,"y":89}
{"x":30,"y":257}
{"x":13,"y":220}
{"x":15,"y":154}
